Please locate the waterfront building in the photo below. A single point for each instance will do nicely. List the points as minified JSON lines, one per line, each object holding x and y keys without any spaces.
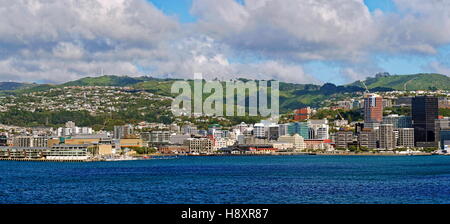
{"x":444,"y":139}
{"x":14,"y":152}
{"x":442,"y":131}
{"x":367,"y":138}
{"x":297,"y":141}
{"x":283,"y":146}
{"x":318,"y":129}
{"x":273,"y":132}
{"x":68,"y":152}
{"x":441,"y":125}
{"x":30,"y":141}
{"x":173,"y":149}
{"x":424,"y":113}
{"x":241,"y":139}
{"x":343,"y":138}
{"x":317,"y":144}
{"x":199,"y":145}
{"x":105,"y":149}
{"x":406,"y":137}
{"x":300,"y":128}
{"x":398,"y":121}
{"x":387,"y":138}
{"x":253,"y":140}
{"x":221,"y":143}
{"x":155,"y":138}
{"x":259,"y":130}
{"x":373,"y":108}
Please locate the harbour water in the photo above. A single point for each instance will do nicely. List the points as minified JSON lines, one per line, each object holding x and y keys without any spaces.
{"x":235,"y":179}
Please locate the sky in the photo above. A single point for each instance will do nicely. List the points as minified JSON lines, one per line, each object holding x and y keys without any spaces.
{"x":300,"y":41}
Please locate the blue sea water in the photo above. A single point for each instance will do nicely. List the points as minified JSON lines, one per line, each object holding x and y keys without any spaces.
{"x":246,"y":179}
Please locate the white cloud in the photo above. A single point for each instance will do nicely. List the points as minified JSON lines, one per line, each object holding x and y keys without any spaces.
{"x":299,"y":30}
{"x":63,"y":40}
{"x":440,"y":68}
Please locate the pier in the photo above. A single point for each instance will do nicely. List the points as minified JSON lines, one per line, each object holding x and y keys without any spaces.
{"x":46,"y":160}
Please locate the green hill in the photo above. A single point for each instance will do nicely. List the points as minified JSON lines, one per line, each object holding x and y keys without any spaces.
{"x":6,"y":86}
{"x":292,"y":95}
{"x":407,"y":82}
{"x":107,"y":80}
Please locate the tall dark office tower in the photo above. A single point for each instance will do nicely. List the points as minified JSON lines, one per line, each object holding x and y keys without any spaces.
{"x":3,"y":140}
{"x":425,"y":111}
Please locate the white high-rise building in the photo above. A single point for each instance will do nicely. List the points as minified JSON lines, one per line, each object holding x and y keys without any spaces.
{"x":259,"y":130}
{"x":387,"y":137}
{"x":71,"y":129}
{"x":319,"y":129}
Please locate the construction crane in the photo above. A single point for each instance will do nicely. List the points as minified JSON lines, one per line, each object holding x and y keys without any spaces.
{"x":340,"y":115}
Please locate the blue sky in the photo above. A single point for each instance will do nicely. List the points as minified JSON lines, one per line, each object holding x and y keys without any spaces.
{"x":179,"y":8}
{"x":384,"y":5}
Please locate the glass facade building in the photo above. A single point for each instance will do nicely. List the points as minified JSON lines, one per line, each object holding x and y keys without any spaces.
{"x":425,"y":111}
{"x":300,"y":128}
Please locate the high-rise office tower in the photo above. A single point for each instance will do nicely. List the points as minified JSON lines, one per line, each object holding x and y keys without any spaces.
{"x":406,"y":137}
{"x":373,"y":108}
{"x":425,"y":111}
{"x":367,"y":138}
{"x":387,"y":138}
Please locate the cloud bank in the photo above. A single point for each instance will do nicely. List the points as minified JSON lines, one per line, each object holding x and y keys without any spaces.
{"x":57,"y":41}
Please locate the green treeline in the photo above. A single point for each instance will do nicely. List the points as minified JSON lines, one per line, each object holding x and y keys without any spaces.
{"x":104,"y":121}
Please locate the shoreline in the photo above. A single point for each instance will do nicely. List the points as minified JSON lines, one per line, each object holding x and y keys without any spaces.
{"x":313,"y":154}
{"x":155,"y":157}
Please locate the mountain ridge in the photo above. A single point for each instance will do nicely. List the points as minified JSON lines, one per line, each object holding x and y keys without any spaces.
{"x":412,"y":82}
{"x":292,"y":95}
